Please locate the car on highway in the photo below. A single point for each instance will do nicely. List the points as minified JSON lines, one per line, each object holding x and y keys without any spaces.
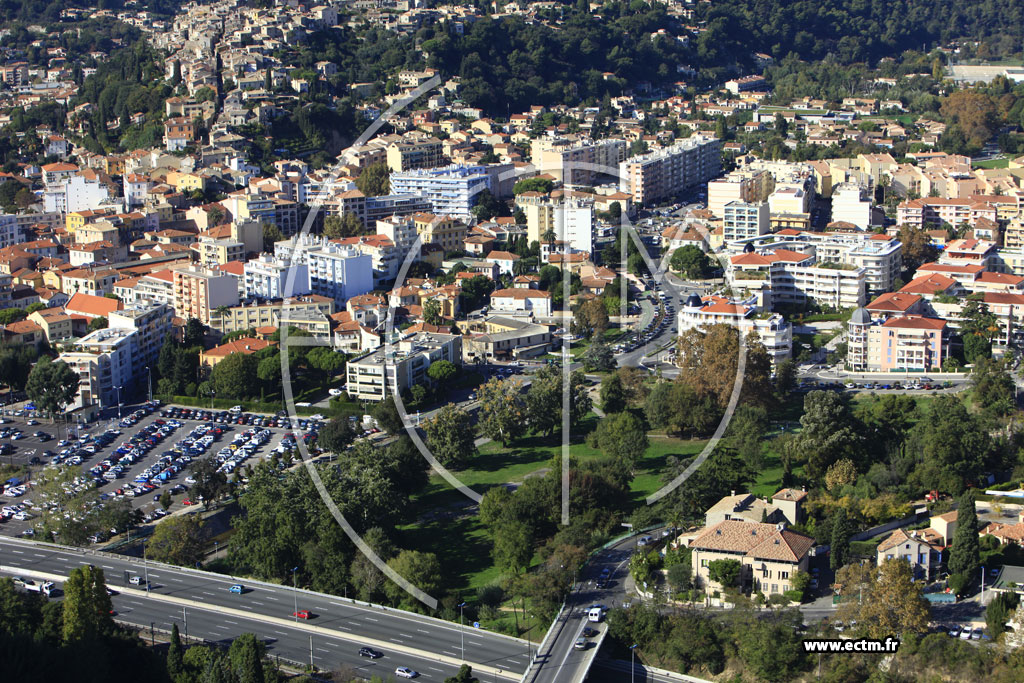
{"x":302,"y":614}
{"x":588,"y":632}
{"x":370,"y":652}
{"x":237,"y":588}
{"x":405,"y":672}
{"x":581,"y":643}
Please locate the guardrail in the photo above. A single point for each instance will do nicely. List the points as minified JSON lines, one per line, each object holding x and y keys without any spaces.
{"x":250,"y":581}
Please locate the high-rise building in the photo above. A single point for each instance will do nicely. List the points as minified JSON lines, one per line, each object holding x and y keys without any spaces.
{"x":198,"y":291}
{"x":666,"y":172}
{"x":453,"y":190}
{"x":577,"y":161}
{"x":741,"y":220}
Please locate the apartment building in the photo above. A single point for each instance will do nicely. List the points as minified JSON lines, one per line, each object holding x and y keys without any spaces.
{"x":179,"y":133}
{"x":339,"y":272}
{"x":267,"y":277}
{"x":411,"y":153}
{"x":747,"y":186}
{"x":255,"y":315}
{"x":196,"y":292}
{"x":151,"y":323}
{"x":905,"y":343}
{"x":577,"y":161}
{"x":520,"y":301}
{"x":375,"y":375}
{"x":664,"y":173}
{"x":454,"y":189}
{"x":103,"y":362}
{"x":774,"y":332}
{"x":852,"y":204}
{"x":935,"y":211}
{"x":769,"y":554}
{"x":741,"y":220}
{"x":444,"y":231}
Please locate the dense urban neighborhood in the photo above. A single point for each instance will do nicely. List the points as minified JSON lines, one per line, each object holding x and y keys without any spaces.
{"x":521,"y":341}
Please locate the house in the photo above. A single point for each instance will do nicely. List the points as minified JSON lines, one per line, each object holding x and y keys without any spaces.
{"x":522,"y":301}
{"x":924,"y":554}
{"x":91,"y":306}
{"x":747,"y":507}
{"x":769,"y":554}
{"x":504,"y":259}
{"x":246,"y":345}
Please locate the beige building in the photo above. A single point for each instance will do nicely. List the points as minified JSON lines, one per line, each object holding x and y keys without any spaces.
{"x":443,"y":231}
{"x":664,"y":173}
{"x":197,"y":292}
{"x":246,"y":317}
{"x":769,"y":554}
{"x":785,"y":506}
{"x":407,"y":154}
{"x":375,"y":375}
{"x":577,"y":161}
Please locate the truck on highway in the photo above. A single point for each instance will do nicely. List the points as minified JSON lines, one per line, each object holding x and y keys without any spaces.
{"x":45,"y":588}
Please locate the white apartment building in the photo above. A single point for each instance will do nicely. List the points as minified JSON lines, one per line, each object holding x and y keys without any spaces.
{"x":10,"y":231}
{"x":151,"y":323}
{"x":788,"y":200}
{"x":741,"y":221}
{"x":571,"y":220}
{"x":339,"y":272}
{"x":136,"y":189}
{"x":577,"y":162}
{"x":378,"y":373}
{"x":851,"y":204}
{"x":835,"y":285}
{"x":664,"y":173}
{"x":401,"y":230}
{"x":104,"y":366}
{"x":268,"y":277}
{"x":453,"y":190}
{"x":774,"y":332}
{"x":74,"y":193}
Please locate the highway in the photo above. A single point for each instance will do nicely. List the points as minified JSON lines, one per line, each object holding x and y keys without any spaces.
{"x":266,"y":609}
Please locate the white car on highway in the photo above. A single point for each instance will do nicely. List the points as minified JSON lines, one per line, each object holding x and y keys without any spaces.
{"x":405,"y":672}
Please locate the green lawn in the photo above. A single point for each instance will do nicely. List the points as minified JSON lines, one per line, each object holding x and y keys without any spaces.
{"x":991,"y":163}
{"x":462,"y":544}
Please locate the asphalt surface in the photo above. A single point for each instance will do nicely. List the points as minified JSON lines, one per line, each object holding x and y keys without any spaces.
{"x":352,"y":622}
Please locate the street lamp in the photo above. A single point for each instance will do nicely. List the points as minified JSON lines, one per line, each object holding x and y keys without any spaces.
{"x":295,"y":594}
{"x":149,"y":381}
{"x":145,"y":565}
{"x":632,"y":662}
{"x":462,"y":629}
{"x":118,"y":389}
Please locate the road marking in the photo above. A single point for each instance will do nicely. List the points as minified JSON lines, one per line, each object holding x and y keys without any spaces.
{"x":433,"y":669}
{"x":371,"y":619}
{"x":422,"y":631}
{"x":174,"y":578}
{"x":320,"y":649}
{"x":257,"y":603}
{"x":449,"y":652}
{"x":206,"y":593}
{"x":270,"y":597}
{"x":331,"y":644}
{"x":343,"y":628}
{"x":228,"y":621}
{"x":38,"y":555}
{"x":394,"y":640}
{"x":106,"y":566}
{"x":406,"y":635}
{"x":280,"y":633}
{"x":339,"y":604}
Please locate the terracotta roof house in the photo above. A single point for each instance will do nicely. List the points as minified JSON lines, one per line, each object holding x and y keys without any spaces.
{"x":769,"y":554}
{"x":246,"y":345}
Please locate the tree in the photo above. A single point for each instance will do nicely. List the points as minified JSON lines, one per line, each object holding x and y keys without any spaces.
{"x":442,"y":371}
{"x":708,"y":362}
{"x":374,"y":180}
{"x":175,"y":661}
{"x":386,"y":415}
{"x":999,"y":612}
{"x":232,"y":377}
{"x":210,"y":483}
{"x":841,"y":473}
{"x":465,"y":675}
{"x":829,"y":432}
{"x":11,"y":315}
{"x":965,"y":554}
{"x":771,"y":648}
{"x":271,"y":235}
{"x":432,"y":312}
{"x":883,"y":600}
{"x":993,"y":387}
{"x":622,"y":438}
{"x":178,"y":540}
{"x":917,"y":247}
{"x":326,"y":360}
{"x":503,"y":415}
{"x":613,"y":395}
{"x":346,"y":225}
{"x":51,"y":385}
{"x":691,"y":261}
{"x":336,"y":435}
{"x":598,"y":357}
{"x":450,"y":436}
{"x":725,"y":572}
{"x":195,"y":333}
{"x":98,"y":323}
{"x":544,"y":400}
{"x":843,"y":529}
{"x":165,"y":499}
{"x":950,"y":445}
{"x":535,"y":184}
{"x":87,"y":606}
{"x":591,"y":317}
{"x":421,"y":569}
{"x":513,"y":545}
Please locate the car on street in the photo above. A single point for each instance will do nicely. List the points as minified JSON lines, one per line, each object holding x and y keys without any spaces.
{"x":588,"y":632}
{"x":302,"y":614}
{"x":405,"y":672}
{"x":237,"y":588}
{"x":370,"y":652}
{"x":581,"y":643}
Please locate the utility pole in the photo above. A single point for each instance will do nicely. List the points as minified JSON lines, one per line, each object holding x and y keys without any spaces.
{"x":311,"y":667}
{"x":184,"y":618}
{"x":462,"y":630}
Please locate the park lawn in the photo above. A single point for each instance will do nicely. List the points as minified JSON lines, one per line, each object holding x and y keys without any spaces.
{"x":864,"y":399}
{"x":462,"y":545}
{"x":992,"y":163}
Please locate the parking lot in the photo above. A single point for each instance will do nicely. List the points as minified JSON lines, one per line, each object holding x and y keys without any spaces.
{"x":139,"y":457}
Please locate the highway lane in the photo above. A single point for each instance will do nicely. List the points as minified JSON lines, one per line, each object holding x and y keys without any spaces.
{"x":270,"y":600}
{"x":288,"y":643}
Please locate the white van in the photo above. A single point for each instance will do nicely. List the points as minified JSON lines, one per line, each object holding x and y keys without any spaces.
{"x":595,"y":614}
